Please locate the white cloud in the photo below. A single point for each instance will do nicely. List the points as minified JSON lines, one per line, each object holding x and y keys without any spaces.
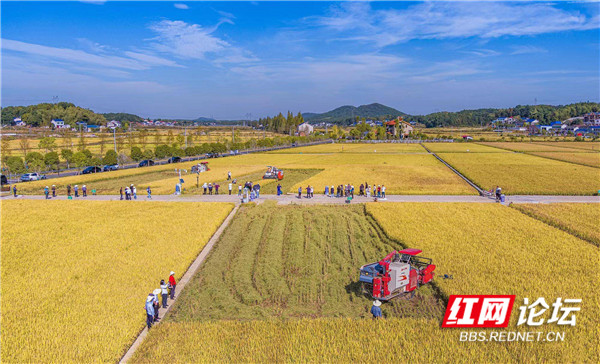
{"x":102,"y":60}
{"x":185,"y":40}
{"x":193,"y":41}
{"x":181,"y":6}
{"x":525,"y":49}
{"x":444,"y":20}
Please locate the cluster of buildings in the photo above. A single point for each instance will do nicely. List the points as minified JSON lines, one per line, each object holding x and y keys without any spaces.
{"x":588,"y":124}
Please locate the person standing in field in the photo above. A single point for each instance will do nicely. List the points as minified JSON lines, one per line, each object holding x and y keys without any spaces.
{"x":382,"y":191}
{"x":53,"y":190}
{"x":300,"y":192}
{"x":256,"y":188}
{"x":331,"y":191}
{"x":230,"y":188}
{"x":46,"y":192}
{"x":326,"y":190}
{"x":156,"y":292}
{"x":149,"y":192}
{"x":279,"y":192}
{"x":210,"y":186}
{"x":361,"y":190}
{"x":76,"y":190}
{"x":68,"y":190}
{"x":217,"y":188}
{"x":376,"y":309}
{"x":172,"y":284}
{"x":134,"y":191}
{"x":204,"y":187}
{"x":228,"y":175}
{"x":15,"y":190}
{"x":84,"y":191}
{"x":149,"y":307}
{"x":121,"y":192}
{"x":498,"y":193}
{"x":368,"y":191}
{"x":164,"y":288}
{"x":239,"y":190}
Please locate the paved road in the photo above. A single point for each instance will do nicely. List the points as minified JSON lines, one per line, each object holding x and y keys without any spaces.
{"x":320,"y":199}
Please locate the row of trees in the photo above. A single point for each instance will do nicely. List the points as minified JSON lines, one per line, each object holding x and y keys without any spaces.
{"x":53,"y":159}
{"x":280,"y":123}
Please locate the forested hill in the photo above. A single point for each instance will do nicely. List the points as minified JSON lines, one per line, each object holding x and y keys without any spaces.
{"x":122,"y":116}
{"x":41,"y":114}
{"x":347,"y":114}
{"x":543,"y":113}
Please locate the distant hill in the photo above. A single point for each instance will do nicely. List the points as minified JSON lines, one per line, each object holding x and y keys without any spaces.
{"x":122,"y":116}
{"x":348,"y":113}
{"x":202,"y":119}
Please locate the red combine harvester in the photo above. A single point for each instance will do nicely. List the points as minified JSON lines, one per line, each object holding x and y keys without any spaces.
{"x":399,"y":273}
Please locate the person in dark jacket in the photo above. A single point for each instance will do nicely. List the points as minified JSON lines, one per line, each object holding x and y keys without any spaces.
{"x":15,"y":190}
{"x":164,"y":288}
{"x":156,"y":304}
{"x":121,"y":192}
{"x":68,"y":190}
{"x":53,"y":190}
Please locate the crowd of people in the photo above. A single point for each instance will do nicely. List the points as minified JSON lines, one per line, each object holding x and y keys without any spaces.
{"x":51,"y":192}
{"x":153,"y":306}
{"x":347,"y":190}
{"x":130,"y":192}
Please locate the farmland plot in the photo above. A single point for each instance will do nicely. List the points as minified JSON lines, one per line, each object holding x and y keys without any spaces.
{"x":578,"y":219}
{"x":522,"y":174}
{"x":292,"y":261}
{"x":75,"y":274}
{"x":559,"y":151}
{"x":491,"y":249}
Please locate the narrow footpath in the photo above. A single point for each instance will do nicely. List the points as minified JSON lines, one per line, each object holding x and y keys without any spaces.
{"x":183,"y":281}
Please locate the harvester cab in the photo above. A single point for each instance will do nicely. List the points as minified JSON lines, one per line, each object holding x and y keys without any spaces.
{"x":273,"y":173}
{"x":200,"y":167}
{"x":399,"y":273}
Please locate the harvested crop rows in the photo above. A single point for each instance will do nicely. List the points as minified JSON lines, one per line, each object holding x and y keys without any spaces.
{"x":75,"y":274}
{"x":288,"y":262}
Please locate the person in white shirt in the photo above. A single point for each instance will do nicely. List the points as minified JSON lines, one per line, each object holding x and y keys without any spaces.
{"x":230,"y":188}
{"x":382,"y":191}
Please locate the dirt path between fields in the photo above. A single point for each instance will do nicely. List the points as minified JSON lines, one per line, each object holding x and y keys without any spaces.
{"x":183,"y":281}
{"x":290,"y":199}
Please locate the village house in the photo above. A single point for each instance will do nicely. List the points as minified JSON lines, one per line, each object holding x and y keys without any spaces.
{"x":305,"y":129}
{"x":59,"y":124}
{"x":113,"y":124}
{"x":592,"y":118}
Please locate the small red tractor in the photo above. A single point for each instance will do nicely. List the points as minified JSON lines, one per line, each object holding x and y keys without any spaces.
{"x":399,"y":273}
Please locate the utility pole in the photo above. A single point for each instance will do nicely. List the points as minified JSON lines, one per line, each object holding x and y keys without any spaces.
{"x":185,"y":134}
{"x":115,"y":139}
{"x":233,"y":134}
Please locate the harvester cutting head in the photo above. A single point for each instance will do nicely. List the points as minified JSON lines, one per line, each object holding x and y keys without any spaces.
{"x":399,"y":273}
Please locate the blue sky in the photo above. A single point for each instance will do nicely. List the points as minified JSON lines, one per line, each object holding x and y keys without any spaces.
{"x":228,"y":59}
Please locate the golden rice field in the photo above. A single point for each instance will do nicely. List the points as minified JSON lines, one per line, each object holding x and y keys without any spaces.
{"x":523,"y":174}
{"x":591,"y":146}
{"x":558,"y":151}
{"x":313,"y":341}
{"x":489,"y":249}
{"x":535,"y":146}
{"x":409,"y":173}
{"x":492,"y":249}
{"x":587,"y":159}
{"x":75,"y":274}
{"x":462,"y":148}
{"x":383,"y":148}
{"x":579,"y":219}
